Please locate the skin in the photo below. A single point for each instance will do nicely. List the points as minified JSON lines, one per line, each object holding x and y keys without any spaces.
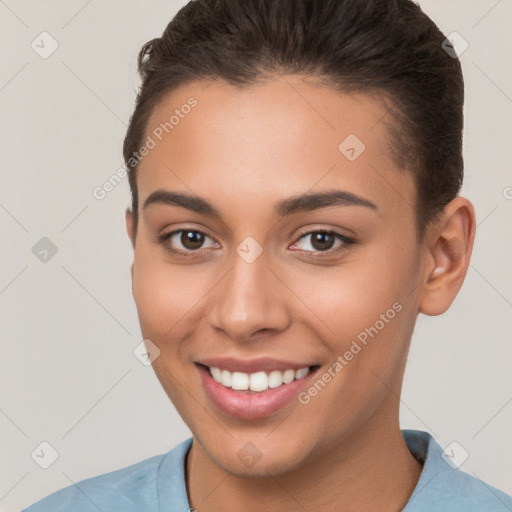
{"x":243,"y":150}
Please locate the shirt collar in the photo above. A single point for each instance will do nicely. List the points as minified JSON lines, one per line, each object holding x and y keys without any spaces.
{"x":438,"y":481}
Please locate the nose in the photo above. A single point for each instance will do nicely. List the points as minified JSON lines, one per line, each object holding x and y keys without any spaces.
{"x":250,"y":300}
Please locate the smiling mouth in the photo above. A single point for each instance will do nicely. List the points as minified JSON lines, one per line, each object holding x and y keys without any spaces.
{"x":250,"y":395}
{"x":257,"y":382}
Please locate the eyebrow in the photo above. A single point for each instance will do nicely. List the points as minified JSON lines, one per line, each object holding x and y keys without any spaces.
{"x":296,"y":204}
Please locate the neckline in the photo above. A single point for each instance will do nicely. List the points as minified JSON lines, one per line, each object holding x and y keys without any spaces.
{"x":172,"y":489}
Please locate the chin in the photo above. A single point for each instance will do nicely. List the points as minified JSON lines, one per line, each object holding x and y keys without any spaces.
{"x":256,"y":459}
{"x":276,"y":467}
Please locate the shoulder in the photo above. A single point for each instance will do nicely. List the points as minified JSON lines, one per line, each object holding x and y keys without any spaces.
{"x":131,"y":488}
{"x":443,"y":486}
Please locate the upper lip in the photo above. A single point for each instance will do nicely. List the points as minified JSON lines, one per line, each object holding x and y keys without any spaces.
{"x":233,"y":364}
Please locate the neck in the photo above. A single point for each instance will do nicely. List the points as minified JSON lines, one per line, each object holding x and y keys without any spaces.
{"x":370,"y":470}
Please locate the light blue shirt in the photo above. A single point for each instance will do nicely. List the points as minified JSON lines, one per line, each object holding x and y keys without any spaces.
{"x":157,"y":484}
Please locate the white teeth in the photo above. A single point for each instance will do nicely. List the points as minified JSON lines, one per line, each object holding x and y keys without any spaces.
{"x":288,"y":376}
{"x":301,"y":373}
{"x":258,"y":381}
{"x":240,"y":381}
{"x":216,"y":374}
{"x":226,"y":378}
{"x":275,"y":379}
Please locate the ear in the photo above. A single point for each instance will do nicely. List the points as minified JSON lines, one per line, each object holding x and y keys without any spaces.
{"x":449,"y":245}
{"x":129,"y":231}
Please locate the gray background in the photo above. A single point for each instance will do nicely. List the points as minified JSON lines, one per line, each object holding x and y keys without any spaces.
{"x":69,"y":326}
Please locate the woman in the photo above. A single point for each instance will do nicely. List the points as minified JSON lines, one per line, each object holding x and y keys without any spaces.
{"x":295,"y":168}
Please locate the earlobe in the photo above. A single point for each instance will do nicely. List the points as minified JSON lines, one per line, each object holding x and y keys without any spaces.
{"x":449,"y":251}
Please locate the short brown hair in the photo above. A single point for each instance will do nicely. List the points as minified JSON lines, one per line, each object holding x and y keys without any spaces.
{"x":386,"y":46}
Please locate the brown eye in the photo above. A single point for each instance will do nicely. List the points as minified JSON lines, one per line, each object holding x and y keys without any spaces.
{"x":192,"y":240}
{"x":323,"y":243}
{"x":186,"y":242}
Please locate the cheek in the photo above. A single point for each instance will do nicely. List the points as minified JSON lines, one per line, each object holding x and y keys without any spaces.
{"x":369,"y":309}
{"x":353,"y":295}
{"x":165,"y":294}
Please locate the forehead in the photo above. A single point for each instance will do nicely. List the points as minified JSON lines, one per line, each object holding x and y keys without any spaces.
{"x":252,"y":145}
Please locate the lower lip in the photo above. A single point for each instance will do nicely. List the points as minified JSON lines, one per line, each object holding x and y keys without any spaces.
{"x":250,"y":406}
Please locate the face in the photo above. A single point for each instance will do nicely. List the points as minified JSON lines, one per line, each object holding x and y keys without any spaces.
{"x":258,"y":282}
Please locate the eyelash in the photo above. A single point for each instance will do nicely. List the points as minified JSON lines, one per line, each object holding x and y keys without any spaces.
{"x":163,"y":239}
